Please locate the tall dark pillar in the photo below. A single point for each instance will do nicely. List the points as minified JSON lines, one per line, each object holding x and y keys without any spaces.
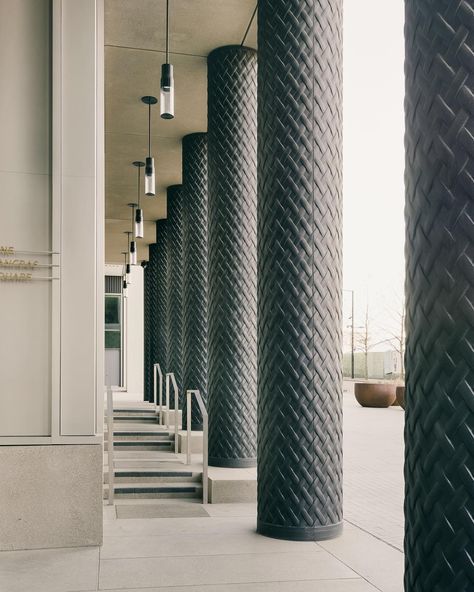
{"x":175,"y":248}
{"x":300,"y":269}
{"x":439,"y":419}
{"x":147,"y":365}
{"x":195,"y":270}
{"x":159,"y":294}
{"x":232,"y":123}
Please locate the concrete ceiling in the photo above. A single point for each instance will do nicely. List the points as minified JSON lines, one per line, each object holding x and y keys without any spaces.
{"x":134,"y":52}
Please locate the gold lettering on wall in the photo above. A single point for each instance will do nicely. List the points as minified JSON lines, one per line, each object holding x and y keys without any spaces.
{"x":15,"y":277}
{"x":18,"y":263}
{"x":7,"y":250}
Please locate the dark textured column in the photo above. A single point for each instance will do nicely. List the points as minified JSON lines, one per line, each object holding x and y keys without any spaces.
{"x":232,"y":124}
{"x":439,"y":423}
{"x":147,"y":364}
{"x":159,"y":305}
{"x":175,"y":248}
{"x":300,"y":269}
{"x":195,"y":270}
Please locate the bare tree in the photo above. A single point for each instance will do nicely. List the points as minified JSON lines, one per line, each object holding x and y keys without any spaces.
{"x":363,"y":339}
{"x":397,"y":331}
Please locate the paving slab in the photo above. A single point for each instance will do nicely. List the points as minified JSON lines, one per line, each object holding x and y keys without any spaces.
{"x":352,"y":585}
{"x":49,"y":570}
{"x":220,"y":569}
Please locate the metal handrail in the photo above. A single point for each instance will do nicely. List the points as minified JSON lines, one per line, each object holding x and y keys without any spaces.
{"x":110,"y":443}
{"x":170,"y":377}
{"x":157,"y":369}
{"x":205,"y":432}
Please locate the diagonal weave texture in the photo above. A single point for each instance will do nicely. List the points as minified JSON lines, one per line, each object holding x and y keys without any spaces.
{"x":300,"y":269}
{"x":159,"y":295}
{"x":147,"y":365}
{"x":195,"y":270}
{"x":175,"y":238}
{"x":232,"y":121}
{"x":439,"y":427}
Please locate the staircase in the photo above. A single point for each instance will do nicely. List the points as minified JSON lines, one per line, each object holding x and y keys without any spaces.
{"x":146,"y":466}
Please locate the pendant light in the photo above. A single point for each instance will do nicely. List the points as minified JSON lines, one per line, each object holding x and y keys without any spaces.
{"x":167,"y":80}
{"x":126,"y":268}
{"x":133,"y":244}
{"x":138,"y":212}
{"x":149,"y":161}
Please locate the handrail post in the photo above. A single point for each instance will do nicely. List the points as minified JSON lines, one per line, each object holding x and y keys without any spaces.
{"x":167,"y":382}
{"x":160,"y":374}
{"x":176,"y":412}
{"x":205,"y":438}
{"x":205,"y":458}
{"x":154,"y":385}
{"x":172,"y":377}
{"x":110,"y":442}
{"x":188,"y":427}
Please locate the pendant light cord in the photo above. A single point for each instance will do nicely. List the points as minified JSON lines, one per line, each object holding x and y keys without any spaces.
{"x":167,"y":31}
{"x":249,"y":25}
{"x":149,"y":129}
{"x":138,"y":186}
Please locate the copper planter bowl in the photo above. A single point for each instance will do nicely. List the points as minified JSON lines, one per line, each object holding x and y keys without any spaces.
{"x":401,"y":396}
{"x":369,"y":394}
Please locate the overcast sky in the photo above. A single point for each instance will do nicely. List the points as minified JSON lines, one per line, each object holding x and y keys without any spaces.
{"x":374,"y":156}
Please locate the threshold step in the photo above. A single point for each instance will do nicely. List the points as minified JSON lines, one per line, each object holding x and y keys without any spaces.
{"x":166,"y":490}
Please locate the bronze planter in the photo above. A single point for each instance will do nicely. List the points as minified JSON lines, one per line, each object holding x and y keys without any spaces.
{"x":374,"y":394}
{"x":400,"y":394}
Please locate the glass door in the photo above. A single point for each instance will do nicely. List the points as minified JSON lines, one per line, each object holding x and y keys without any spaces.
{"x":113,"y":339}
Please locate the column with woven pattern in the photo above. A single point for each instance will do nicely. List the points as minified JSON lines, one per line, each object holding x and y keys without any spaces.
{"x":147,"y":366}
{"x":175,"y":249}
{"x":232,"y":124}
{"x":439,"y":211}
{"x":195,"y":196}
{"x":300,"y":269}
{"x":159,"y":291}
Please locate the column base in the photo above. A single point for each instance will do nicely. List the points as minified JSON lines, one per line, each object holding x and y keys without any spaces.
{"x":233,"y":463}
{"x":290,"y":533}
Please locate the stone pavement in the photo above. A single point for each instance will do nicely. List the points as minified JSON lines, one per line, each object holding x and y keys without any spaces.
{"x":222,"y":553}
{"x":373,"y":469}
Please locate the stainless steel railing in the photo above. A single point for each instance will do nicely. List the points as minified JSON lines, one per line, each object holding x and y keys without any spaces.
{"x":205,"y":433}
{"x":170,"y":378}
{"x":110,"y":443}
{"x":158,"y":402}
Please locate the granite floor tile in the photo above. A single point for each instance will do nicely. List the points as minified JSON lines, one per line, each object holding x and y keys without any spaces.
{"x":244,"y":542}
{"x":49,"y":570}
{"x":220,"y":569}
{"x":352,"y":585}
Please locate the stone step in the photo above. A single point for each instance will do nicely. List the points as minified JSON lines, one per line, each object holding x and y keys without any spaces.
{"x":133,"y":445}
{"x":154,"y":476}
{"x":164,"y":490}
{"x":157,"y":462}
{"x":136,"y":418}
{"x":132,"y":436}
{"x":129,"y":410}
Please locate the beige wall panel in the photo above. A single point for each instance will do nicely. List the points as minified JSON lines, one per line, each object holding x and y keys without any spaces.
{"x":25,"y":216}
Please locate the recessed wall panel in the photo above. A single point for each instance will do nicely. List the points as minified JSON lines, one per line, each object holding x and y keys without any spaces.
{"x":25,"y":219}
